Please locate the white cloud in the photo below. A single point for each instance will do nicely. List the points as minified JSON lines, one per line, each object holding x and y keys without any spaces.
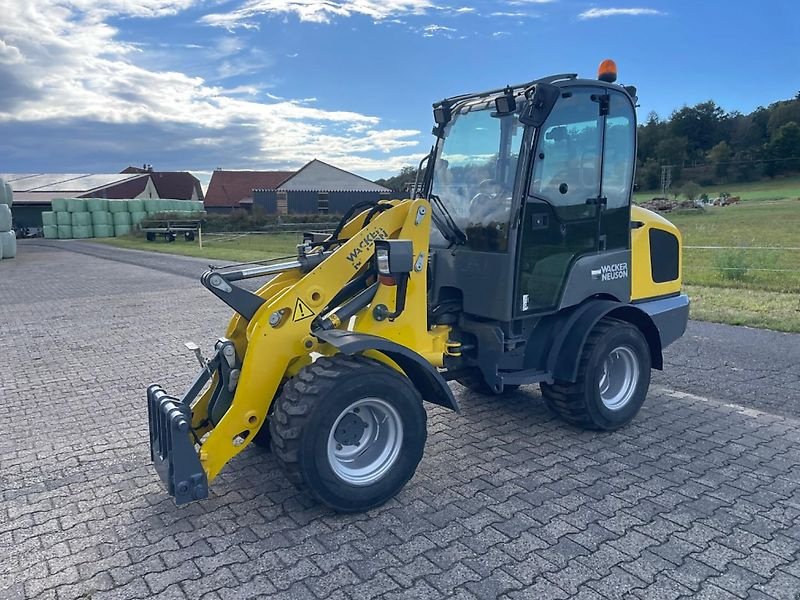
{"x":598,"y":13}
{"x":432,"y":30}
{"x":500,"y":34}
{"x":316,"y":11}
{"x":62,"y":64}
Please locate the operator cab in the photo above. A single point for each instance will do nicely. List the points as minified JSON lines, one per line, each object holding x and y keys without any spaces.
{"x":530,"y":184}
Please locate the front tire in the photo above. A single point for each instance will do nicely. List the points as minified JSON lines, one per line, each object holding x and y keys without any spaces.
{"x":612,"y":382}
{"x":350,"y":430}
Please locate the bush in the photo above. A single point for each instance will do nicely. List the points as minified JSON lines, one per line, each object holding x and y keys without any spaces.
{"x":242,"y":220}
{"x":732,"y":264}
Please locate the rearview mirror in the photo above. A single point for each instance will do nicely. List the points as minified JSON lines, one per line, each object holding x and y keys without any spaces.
{"x":544,"y":99}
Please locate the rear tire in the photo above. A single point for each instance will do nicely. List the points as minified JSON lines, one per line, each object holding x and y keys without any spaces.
{"x":350,"y":430}
{"x":613,"y":379}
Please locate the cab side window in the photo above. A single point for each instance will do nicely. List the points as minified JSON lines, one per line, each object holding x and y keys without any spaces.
{"x":567,"y":167}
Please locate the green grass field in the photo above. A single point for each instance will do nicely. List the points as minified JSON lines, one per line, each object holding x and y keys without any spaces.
{"x":755,"y":278}
{"x":229,"y":247}
{"x":775,"y":189}
{"x":737,"y":284}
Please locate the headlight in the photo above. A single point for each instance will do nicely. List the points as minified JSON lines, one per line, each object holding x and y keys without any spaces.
{"x":382,"y":259}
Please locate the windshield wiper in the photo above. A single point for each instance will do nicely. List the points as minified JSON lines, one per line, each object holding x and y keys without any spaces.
{"x":445,"y":222}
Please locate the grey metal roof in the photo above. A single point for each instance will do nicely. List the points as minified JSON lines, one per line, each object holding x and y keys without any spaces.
{"x":318,"y":176}
{"x":64,"y":182}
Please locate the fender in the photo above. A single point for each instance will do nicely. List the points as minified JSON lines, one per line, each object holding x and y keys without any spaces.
{"x":565,"y":354}
{"x":431,"y":385}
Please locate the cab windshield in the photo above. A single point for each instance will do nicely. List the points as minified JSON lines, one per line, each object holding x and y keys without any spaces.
{"x":474,"y":173}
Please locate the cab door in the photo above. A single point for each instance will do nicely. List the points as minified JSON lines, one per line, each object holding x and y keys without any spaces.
{"x":562,"y":207}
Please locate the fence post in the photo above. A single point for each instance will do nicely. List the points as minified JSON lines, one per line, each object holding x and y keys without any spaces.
{"x":200,"y":234}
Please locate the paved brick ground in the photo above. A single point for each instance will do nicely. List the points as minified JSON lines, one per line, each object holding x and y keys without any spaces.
{"x":697,"y":498}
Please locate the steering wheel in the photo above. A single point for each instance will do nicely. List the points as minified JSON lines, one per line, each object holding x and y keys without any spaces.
{"x":483,"y":196}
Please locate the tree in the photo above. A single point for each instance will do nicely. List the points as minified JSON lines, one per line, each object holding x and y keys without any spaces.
{"x":401,"y":182}
{"x":699,"y":124}
{"x":784,"y":148}
{"x":691,"y":190}
{"x":720,"y":156}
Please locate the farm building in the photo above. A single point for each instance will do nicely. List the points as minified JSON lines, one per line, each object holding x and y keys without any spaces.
{"x":228,"y":190}
{"x":317,"y":187}
{"x":33,"y":192}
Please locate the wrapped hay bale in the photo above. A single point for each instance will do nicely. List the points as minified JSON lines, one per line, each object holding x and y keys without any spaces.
{"x":50,"y":232}
{"x":152,"y":205}
{"x":136,"y":205}
{"x":81,"y":232}
{"x":65,"y":232}
{"x":8,"y":242}
{"x":103,"y":231}
{"x":6,"y":193}
{"x":5,"y":218}
{"x":97,"y":204}
{"x":122,"y":230}
{"x":121,"y":218}
{"x":117,"y":206}
{"x":138,"y":217}
{"x":75,"y":205}
{"x":63,"y":218}
{"x":48,"y":218}
{"x":101,"y":217}
{"x":81,"y":219}
{"x":59,"y":204}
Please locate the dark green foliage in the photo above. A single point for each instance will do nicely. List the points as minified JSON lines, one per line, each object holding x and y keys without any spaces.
{"x":242,"y":220}
{"x":707,"y":144}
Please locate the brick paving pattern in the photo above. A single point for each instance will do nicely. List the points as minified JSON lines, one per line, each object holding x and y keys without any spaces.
{"x":697,"y":498}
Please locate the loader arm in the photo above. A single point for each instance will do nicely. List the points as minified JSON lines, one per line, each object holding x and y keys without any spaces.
{"x":279,"y":338}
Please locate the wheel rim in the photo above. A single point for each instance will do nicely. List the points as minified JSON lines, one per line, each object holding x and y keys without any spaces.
{"x":618,"y":377}
{"x":364,"y":442}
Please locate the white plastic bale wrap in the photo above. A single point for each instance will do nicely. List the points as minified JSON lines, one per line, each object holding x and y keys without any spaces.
{"x":49,"y":218}
{"x":65,"y":232}
{"x":8,"y":241}
{"x":50,"y":232}
{"x":5,"y":218}
{"x":63,"y":218}
{"x":9,"y":194}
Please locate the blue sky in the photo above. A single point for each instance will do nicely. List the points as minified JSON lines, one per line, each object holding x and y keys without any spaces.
{"x":94,"y":85}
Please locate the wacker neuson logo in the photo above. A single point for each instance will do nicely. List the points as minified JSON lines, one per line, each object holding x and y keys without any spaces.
{"x":611,"y":272}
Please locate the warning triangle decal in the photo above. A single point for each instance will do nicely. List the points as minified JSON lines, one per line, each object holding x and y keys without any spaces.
{"x":301,"y":311}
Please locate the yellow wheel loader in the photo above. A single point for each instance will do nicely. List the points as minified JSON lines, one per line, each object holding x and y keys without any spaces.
{"x":518,"y":260}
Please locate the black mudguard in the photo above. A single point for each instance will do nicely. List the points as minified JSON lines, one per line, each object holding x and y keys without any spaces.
{"x":431,"y":385}
{"x":573,"y":330}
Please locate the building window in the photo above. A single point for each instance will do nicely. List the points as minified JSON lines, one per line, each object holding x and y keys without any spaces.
{"x":322,"y":203}
{"x":282,"y":203}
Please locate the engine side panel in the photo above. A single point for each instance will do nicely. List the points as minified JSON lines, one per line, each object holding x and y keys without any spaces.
{"x":656,"y":256}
